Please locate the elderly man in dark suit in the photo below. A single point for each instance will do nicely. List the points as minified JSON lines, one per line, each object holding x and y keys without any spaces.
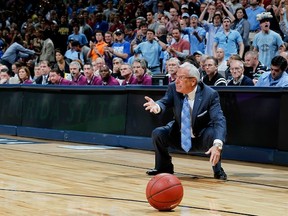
{"x":204,"y":131}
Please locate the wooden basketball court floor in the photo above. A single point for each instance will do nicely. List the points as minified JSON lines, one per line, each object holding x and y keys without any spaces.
{"x":60,"y":178}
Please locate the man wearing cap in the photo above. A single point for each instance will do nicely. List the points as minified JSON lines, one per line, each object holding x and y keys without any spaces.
{"x":228,"y":39}
{"x":196,"y":35}
{"x":266,"y":42}
{"x":120,"y":47}
{"x":184,"y":9}
{"x":186,"y":18}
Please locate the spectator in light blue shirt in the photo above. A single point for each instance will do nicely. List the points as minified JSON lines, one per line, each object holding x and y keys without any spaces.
{"x":151,"y":50}
{"x":252,"y":13}
{"x":277,"y":76}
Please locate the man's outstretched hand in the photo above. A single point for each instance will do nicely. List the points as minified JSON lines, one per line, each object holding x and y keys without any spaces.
{"x":151,"y":105}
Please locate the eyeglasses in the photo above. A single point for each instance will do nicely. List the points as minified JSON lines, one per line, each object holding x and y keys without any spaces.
{"x":235,"y":69}
{"x":182,"y":77}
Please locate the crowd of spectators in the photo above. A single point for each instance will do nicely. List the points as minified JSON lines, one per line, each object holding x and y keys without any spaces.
{"x":118,"y":42}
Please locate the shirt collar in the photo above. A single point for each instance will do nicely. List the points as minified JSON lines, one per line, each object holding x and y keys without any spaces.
{"x":191,"y":95}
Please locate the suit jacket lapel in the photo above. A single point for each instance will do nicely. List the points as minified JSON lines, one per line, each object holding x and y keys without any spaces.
{"x":197,"y":102}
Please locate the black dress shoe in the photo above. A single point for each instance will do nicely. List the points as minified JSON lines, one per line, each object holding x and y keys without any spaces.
{"x":155,"y":171}
{"x":220,"y":175}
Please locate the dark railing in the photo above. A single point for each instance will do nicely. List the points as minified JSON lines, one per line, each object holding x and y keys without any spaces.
{"x":256,"y":117}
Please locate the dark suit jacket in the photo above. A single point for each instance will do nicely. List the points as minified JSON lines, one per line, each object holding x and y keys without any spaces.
{"x":40,"y":79}
{"x":206,"y":110}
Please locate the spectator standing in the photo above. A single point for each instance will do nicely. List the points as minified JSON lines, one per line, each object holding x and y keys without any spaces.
{"x":97,"y":49}
{"x":229,"y":40}
{"x":109,"y":9}
{"x":151,"y":50}
{"x":48,"y":50}
{"x":252,"y":11}
{"x":120,"y":47}
{"x":211,"y":30}
{"x":196,"y":35}
{"x":181,"y":48}
{"x":77,"y":36}
{"x":152,"y":24}
{"x":242,"y":25}
{"x":266,"y":42}
{"x":100,"y":23}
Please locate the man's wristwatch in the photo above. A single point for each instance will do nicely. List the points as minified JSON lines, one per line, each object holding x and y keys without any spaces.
{"x":218,"y":145}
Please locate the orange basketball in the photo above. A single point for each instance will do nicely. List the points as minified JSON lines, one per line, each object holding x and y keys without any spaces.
{"x":164,"y":192}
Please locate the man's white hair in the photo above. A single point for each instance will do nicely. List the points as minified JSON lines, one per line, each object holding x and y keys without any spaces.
{"x":192,"y":70}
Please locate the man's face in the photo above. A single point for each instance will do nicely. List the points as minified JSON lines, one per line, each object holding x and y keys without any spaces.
{"x":265,"y":26}
{"x":176,"y":34}
{"x":149,"y":16}
{"x":116,"y":65}
{"x":99,"y":37}
{"x":104,"y":72}
{"x":172,"y":67}
{"x":249,"y":61}
{"x":210,"y":67}
{"x":74,"y":70}
{"x":219,"y":54}
{"x":138,"y":70}
{"x":226,"y":24}
{"x":88,"y":71}
{"x":236,"y":70}
{"x":119,"y":37}
{"x":184,"y":83}
{"x":37,"y":71}
{"x":150,"y":36}
{"x":108,"y":38}
{"x":125,"y":70}
{"x":193,"y":21}
{"x":275,"y":71}
{"x":45,"y":69}
{"x":54,"y":77}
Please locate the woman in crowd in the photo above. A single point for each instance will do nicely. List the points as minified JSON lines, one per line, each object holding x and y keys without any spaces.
{"x":24,"y":75}
{"x":242,"y":25}
{"x":61,"y":65}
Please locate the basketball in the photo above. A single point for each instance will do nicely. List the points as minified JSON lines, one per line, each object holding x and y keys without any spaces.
{"x":164,"y":192}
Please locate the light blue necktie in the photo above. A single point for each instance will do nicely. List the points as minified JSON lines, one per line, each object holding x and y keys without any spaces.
{"x":186,"y":142}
